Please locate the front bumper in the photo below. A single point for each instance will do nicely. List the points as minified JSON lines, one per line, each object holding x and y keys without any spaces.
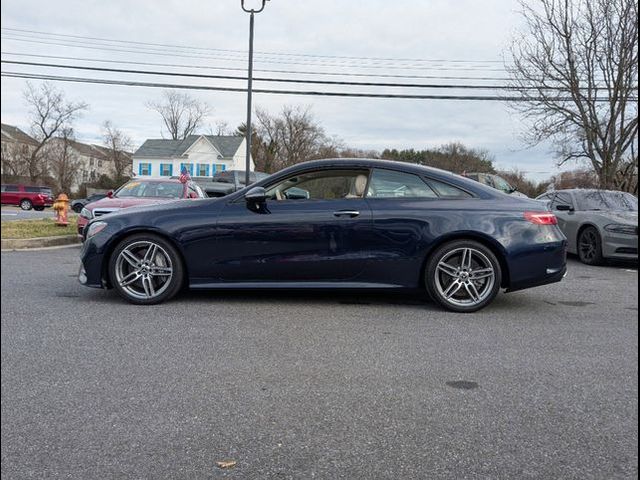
{"x":92,"y":271}
{"x":620,"y":246}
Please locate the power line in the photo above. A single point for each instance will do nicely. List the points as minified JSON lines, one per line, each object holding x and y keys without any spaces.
{"x":243,"y":69}
{"x":102,"y":81}
{"x":279,"y":80}
{"x":244,"y":51}
{"x":93,"y":46}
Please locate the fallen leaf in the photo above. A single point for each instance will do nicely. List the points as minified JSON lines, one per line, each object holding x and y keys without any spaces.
{"x":226,"y":464}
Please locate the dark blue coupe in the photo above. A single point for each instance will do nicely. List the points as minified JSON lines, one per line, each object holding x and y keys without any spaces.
{"x":355,"y":223}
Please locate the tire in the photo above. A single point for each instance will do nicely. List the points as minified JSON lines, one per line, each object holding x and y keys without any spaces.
{"x":38,"y":209}
{"x":77,"y":208}
{"x":25,"y":204}
{"x":463,"y":276}
{"x":590,"y":247}
{"x":132,"y":264}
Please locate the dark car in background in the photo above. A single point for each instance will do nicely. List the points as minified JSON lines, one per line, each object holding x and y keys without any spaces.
{"x":27,"y":196}
{"x":78,"y":204}
{"x":495,"y":181}
{"x":328,"y":224}
{"x":226,"y":182}
{"x":598,"y":224}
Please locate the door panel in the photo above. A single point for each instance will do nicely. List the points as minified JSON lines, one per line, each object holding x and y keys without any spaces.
{"x":303,"y":240}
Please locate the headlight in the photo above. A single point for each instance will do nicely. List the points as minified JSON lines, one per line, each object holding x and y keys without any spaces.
{"x":621,"y":228}
{"x":86,"y":213}
{"x":95,"y":228}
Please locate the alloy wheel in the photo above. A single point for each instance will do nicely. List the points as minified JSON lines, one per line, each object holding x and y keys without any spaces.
{"x":588,"y":245}
{"x":465,"y":277}
{"x":143,"y":270}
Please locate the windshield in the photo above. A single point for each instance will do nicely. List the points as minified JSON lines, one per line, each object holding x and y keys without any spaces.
{"x":147,"y":189}
{"x":501,"y":184}
{"x":605,"y":200}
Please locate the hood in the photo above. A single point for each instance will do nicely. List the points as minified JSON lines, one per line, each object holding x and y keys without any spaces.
{"x":619,"y":216}
{"x":126,"y":202}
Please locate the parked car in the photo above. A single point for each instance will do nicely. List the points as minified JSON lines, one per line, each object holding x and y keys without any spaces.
{"x":356,"y":223}
{"x":598,"y":224}
{"x":78,"y":204}
{"x":495,"y":181}
{"x":27,"y":196}
{"x":226,"y":182}
{"x":138,"y":192}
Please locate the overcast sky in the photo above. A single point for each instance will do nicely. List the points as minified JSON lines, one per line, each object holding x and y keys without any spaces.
{"x":468,"y":30}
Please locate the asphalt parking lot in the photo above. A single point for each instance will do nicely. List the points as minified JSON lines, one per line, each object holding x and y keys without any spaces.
{"x":15,"y":213}
{"x":542,"y":384}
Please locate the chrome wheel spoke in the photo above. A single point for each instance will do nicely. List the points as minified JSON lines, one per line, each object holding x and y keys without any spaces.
{"x":160,"y":271}
{"x":131,"y":258}
{"x":150,"y":254}
{"x":448,"y":269}
{"x":472,"y":291}
{"x":481,"y":273}
{"x":147,"y":284}
{"x":129,"y":279}
{"x":452,"y":289}
{"x":465,"y":262}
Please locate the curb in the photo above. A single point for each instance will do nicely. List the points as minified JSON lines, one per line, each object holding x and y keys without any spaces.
{"x":32,"y":243}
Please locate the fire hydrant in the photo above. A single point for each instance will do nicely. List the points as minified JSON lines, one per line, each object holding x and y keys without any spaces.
{"x":61,"y":207}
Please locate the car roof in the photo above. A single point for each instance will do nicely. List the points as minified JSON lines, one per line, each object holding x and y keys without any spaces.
{"x":155,"y":179}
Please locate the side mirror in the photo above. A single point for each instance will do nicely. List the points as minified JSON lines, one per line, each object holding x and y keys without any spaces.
{"x":256,"y":195}
{"x":110,"y":194}
{"x":564,"y":208}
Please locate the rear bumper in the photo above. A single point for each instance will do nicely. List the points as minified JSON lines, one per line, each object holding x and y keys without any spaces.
{"x":539,"y":265}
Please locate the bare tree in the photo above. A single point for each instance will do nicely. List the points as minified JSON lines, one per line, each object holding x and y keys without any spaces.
{"x":14,"y":160}
{"x":50,"y":113}
{"x":118,"y":146}
{"x":289,"y":138}
{"x":63,"y":164}
{"x":577,"y":69}
{"x":182,"y":115}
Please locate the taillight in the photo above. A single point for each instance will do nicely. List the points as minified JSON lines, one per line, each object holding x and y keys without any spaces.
{"x":541,"y":218}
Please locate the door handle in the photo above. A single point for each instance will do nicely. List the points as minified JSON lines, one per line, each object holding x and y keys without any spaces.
{"x":346,"y":213}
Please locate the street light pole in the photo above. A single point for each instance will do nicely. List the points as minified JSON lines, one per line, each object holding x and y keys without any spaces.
{"x":251,"y":11}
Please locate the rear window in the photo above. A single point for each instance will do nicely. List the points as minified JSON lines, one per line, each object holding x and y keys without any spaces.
{"x":447,"y":190}
{"x":45,"y":190}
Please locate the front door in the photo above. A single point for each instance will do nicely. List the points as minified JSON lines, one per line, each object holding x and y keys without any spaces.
{"x":313,"y":227}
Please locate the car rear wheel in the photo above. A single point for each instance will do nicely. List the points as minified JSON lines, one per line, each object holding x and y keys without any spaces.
{"x":146,"y":269}
{"x":463,"y":276}
{"x":590,"y":247}
{"x":39,"y":209}
{"x":25,"y":204}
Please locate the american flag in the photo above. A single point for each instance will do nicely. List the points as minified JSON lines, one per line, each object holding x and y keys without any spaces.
{"x":184,"y":178}
{"x":184,"y":175}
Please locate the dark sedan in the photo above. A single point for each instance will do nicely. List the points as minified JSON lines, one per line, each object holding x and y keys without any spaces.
{"x":357,"y":223}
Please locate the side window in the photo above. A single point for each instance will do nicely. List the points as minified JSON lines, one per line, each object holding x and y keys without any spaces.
{"x":445,"y":190}
{"x":561,"y":198}
{"x":11,"y":188}
{"x":391,"y":184}
{"x":321,"y":185}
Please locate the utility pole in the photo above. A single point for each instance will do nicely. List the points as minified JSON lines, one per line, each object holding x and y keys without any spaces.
{"x":251,"y":11}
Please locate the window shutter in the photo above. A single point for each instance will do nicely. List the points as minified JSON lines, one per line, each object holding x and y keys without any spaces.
{"x":208,"y":167}
{"x":149,"y":165}
{"x":139,"y":169}
{"x":171,"y":169}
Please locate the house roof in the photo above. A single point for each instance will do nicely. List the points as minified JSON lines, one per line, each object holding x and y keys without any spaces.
{"x":11,"y":133}
{"x":227,"y":145}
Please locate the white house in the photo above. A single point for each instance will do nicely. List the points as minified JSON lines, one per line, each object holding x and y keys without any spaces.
{"x":202,"y":155}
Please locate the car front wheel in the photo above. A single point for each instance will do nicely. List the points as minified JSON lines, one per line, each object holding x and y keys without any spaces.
{"x":463,"y":276}
{"x":590,"y":247}
{"x":146,"y":269}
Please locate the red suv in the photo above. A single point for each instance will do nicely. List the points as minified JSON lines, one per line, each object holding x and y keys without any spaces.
{"x":27,"y":197}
